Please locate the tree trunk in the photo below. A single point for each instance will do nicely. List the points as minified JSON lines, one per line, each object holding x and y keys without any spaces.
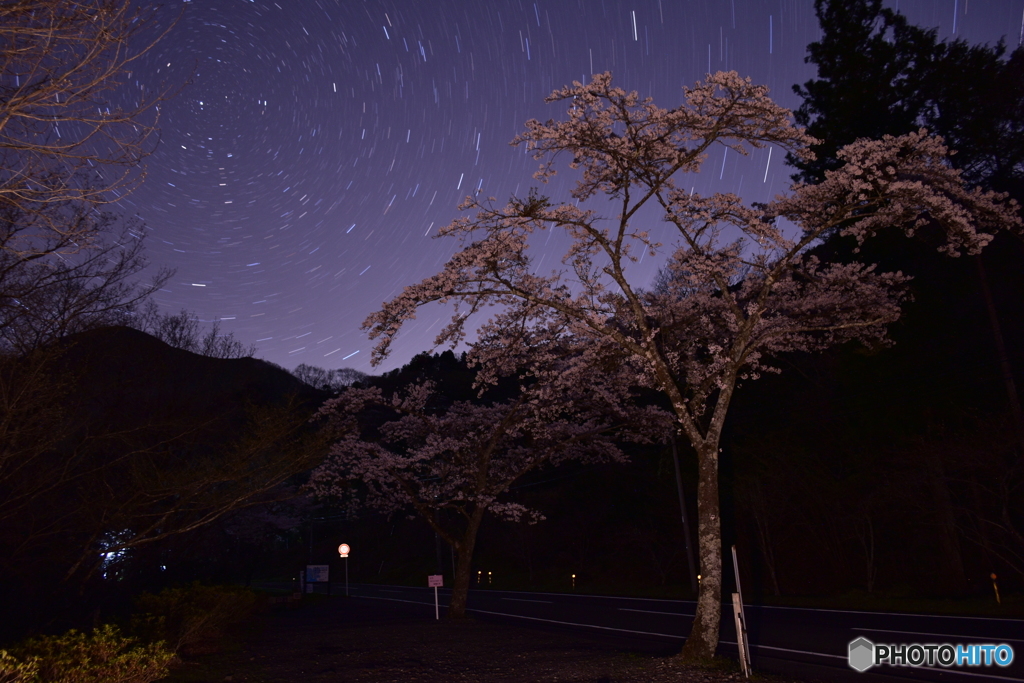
{"x":1016,"y":414}
{"x":867,"y":541}
{"x":981,"y":530}
{"x":955,"y":579}
{"x":703,"y":639}
{"x":464,"y":566}
{"x":767,"y":551}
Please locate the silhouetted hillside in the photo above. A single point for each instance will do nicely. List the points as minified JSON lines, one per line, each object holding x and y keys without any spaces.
{"x":116,"y":449}
{"x":129,"y":374}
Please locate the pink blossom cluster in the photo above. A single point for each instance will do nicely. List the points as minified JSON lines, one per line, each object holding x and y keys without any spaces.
{"x":430,"y":454}
{"x":726,"y":305}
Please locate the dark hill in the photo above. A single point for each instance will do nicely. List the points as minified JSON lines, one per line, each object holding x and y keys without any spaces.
{"x":117,"y":451}
{"x":125,"y":376}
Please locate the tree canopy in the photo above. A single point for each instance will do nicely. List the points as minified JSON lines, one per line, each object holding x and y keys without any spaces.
{"x":880,"y":75}
{"x":68,"y":151}
{"x":422,"y":449}
{"x":741,"y":288}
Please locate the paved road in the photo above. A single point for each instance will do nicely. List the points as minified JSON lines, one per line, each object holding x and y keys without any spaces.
{"x":804,"y":642}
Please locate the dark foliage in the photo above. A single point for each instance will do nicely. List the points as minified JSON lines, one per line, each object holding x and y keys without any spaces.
{"x":183,"y":330}
{"x":117,"y":444}
{"x":900,"y":469}
{"x":878,"y":74}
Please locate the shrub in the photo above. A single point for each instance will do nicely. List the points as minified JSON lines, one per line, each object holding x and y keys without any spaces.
{"x":12,"y":670}
{"x":194,"y":619}
{"x":103,"y":656}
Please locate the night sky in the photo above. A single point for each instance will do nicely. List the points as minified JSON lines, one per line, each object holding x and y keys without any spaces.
{"x":321,"y":143}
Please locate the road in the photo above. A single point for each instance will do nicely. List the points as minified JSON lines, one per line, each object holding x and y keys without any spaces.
{"x":811,"y":643}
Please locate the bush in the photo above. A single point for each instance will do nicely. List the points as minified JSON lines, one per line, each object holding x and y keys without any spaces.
{"x":12,"y":670}
{"x":194,"y":619}
{"x":103,"y":656}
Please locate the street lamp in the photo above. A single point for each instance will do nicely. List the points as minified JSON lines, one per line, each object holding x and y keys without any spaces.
{"x":343,"y":551}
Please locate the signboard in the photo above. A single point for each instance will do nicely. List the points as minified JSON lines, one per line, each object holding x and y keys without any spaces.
{"x":435,"y":581}
{"x":317,"y":573}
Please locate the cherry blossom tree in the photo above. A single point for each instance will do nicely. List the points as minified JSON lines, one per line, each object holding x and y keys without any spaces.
{"x":741,"y":283}
{"x":464,"y":457}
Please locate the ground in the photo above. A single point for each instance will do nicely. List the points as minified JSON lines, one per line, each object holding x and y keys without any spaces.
{"x":341,"y":640}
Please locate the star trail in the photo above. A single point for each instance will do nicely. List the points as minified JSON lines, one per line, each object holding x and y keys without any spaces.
{"x":317,"y":145}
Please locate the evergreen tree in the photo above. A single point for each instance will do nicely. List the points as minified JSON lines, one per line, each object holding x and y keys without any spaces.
{"x":878,"y":74}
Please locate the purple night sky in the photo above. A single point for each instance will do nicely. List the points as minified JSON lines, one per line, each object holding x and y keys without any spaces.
{"x":321,"y":143}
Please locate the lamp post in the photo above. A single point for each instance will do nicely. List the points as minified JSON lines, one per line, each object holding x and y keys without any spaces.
{"x":343,"y":551}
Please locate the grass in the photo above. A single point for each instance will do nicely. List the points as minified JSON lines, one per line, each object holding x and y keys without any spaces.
{"x":218,"y":666}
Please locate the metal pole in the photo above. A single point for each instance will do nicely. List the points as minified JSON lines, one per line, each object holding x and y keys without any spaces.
{"x":437,"y":612}
{"x":742,"y":636}
{"x":346,"y":577}
{"x":736,"y":573}
{"x":686,"y":524}
{"x":741,"y":641}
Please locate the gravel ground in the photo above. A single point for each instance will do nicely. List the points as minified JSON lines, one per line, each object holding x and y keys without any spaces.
{"x":341,"y":640}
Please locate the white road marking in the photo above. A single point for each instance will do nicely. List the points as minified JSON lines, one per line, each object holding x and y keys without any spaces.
{"x":842,"y":657}
{"x":414,"y":602}
{"x":647,"y":611}
{"x":570,"y":623}
{"x":986,"y":639}
{"x":886,"y":614}
{"x":678,"y":637}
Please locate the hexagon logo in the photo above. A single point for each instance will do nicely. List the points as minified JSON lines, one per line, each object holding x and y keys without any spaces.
{"x":862,"y":655}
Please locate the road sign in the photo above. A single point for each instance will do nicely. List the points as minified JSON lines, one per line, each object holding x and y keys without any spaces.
{"x":435,"y":581}
{"x":344,"y":549}
{"x":317,"y":573}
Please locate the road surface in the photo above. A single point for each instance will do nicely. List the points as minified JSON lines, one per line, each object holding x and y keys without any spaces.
{"x":811,"y":643}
